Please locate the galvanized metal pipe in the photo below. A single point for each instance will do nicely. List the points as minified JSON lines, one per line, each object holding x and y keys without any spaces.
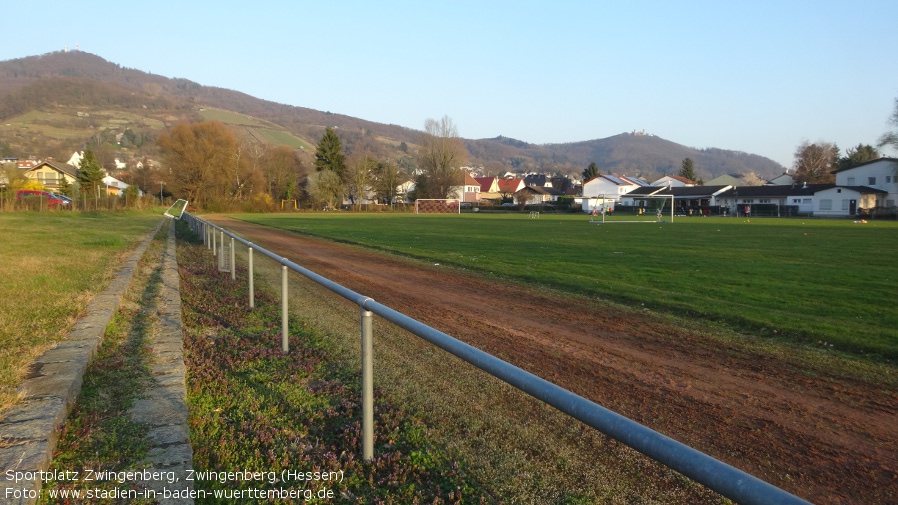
{"x":252,"y":289}
{"x":233,"y":261}
{"x":367,"y":384}
{"x":285,"y":345}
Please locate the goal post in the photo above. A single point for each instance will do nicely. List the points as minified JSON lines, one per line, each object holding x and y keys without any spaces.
{"x":438,"y":206}
{"x":176,"y":209}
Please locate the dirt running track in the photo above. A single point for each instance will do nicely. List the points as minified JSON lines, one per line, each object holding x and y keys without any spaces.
{"x":828,"y":440}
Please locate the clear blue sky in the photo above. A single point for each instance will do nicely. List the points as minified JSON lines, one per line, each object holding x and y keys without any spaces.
{"x":754,"y":76}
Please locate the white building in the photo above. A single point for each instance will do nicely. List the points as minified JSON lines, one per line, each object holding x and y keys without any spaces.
{"x":879,"y":174}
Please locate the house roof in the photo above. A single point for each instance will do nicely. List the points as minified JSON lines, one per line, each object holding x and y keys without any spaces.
{"x":684,"y":180}
{"x":635,"y":180}
{"x":539,"y":190}
{"x":536,"y":180}
{"x":486,"y":183}
{"x":677,"y":191}
{"x":775,"y":190}
{"x":804,"y":190}
{"x":510,"y":185}
{"x":877,"y":160}
{"x":59,"y":167}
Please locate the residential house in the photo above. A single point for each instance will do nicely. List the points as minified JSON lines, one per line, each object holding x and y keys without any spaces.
{"x":469,"y":191}
{"x":52,"y":174}
{"x":879,"y":174}
{"x":534,"y":195}
{"x":489,"y":188}
{"x":541,"y":180}
{"x":26,"y":164}
{"x":508,"y":187}
{"x":75,"y":159}
{"x":114,"y":187}
{"x":402,"y":191}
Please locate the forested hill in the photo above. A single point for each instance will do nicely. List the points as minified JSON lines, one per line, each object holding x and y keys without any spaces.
{"x":42,"y":97}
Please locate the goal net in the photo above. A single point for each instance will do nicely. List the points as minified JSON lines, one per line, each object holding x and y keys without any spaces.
{"x":661,"y":205}
{"x":438,"y":206}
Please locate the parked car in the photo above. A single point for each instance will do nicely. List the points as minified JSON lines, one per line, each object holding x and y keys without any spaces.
{"x":52,"y":199}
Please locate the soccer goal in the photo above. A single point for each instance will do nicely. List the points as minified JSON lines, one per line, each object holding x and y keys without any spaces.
{"x":438,"y":206}
{"x":663,"y":204}
{"x":176,"y":209}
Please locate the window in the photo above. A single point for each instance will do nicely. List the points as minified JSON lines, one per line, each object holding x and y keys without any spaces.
{"x":871,"y":180}
{"x":806,"y":201}
{"x":844,"y":204}
{"x":888,"y":179}
{"x":796,"y":201}
{"x":826,"y":204}
{"x":850,"y":181}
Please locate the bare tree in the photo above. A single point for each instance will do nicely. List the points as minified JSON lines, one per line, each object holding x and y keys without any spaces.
{"x":282,"y":170}
{"x":360,"y":175}
{"x":440,"y":157}
{"x":386,"y":180}
{"x":814,"y":163}
{"x":326,"y":188}
{"x":890,"y":139}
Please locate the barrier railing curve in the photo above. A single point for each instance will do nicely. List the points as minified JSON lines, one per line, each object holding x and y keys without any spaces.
{"x":727,"y":480}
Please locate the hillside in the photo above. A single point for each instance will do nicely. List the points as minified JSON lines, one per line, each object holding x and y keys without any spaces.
{"x":54,"y":104}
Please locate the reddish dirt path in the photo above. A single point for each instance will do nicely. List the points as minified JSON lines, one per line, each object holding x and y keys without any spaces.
{"x":830,"y":440}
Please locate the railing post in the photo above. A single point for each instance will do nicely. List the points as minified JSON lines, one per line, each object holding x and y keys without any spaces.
{"x":214,"y":250}
{"x":367,"y":385}
{"x":252,"y":289}
{"x":233,"y":261}
{"x":285,"y":345}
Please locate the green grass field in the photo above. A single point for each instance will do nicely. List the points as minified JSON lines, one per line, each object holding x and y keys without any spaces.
{"x":52,"y":263}
{"x":807,"y":280}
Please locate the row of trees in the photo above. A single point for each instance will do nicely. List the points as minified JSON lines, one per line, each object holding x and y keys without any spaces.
{"x":211,"y":168}
{"x":440,"y":156}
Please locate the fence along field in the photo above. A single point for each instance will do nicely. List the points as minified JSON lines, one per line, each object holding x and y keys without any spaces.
{"x":821,"y":282}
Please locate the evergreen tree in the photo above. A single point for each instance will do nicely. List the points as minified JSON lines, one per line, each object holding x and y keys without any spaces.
{"x":329,"y":154}
{"x":856,"y":155}
{"x":688,"y":170}
{"x":591,"y":172}
{"x":90,"y":174}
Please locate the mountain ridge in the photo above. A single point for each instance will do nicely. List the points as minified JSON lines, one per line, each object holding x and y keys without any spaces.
{"x":62,"y":81}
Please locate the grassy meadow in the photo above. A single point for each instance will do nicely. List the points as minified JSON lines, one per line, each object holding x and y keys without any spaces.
{"x":52,"y":264}
{"x":807,"y":280}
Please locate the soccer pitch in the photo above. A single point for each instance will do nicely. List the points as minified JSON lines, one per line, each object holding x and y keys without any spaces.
{"x":798,"y":279}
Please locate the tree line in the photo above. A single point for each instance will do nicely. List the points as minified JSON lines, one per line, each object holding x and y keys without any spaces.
{"x":206,"y":164}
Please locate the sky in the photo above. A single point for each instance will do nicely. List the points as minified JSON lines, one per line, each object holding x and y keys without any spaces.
{"x":755,"y":76}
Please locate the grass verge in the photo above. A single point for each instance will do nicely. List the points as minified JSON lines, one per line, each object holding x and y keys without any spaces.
{"x":52,"y":264}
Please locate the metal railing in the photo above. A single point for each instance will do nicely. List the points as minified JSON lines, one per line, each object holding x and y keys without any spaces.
{"x":729,"y":481}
